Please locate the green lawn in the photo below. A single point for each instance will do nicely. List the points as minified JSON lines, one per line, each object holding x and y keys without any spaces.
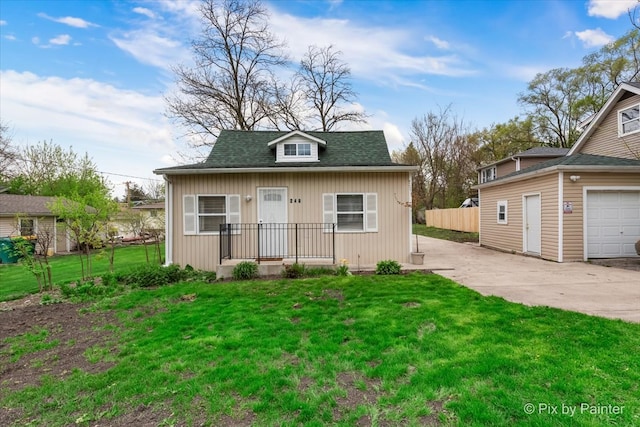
{"x":441,"y":233}
{"x":360,"y":350}
{"x":16,"y":281}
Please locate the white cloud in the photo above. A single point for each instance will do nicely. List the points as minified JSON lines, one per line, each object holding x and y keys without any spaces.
{"x":144,"y":11}
{"x":439,"y":43}
{"x":122,"y":130}
{"x":611,"y":9}
{"x":3,"y":22}
{"x":35,"y":40}
{"x":373,"y":52}
{"x":523,"y":73}
{"x":594,"y":38}
{"x":69,"y":20}
{"x":62,"y":39}
{"x":151,"y":48}
{"x":10,"y":37}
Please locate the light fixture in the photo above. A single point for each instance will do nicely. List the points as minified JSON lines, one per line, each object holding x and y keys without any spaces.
{"x":248,"y":197}
{"x":574,"y":178}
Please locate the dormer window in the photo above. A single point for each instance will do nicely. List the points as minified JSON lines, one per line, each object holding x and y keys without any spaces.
{"x":297,"y":150}
{"x":629,"y":120}
{"x":487,"y":175}
{"x":297,"y":147}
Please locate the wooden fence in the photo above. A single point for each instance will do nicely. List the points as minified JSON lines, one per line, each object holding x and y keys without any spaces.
{"x":460,"y":219}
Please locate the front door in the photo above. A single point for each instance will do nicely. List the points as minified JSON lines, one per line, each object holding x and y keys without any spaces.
{"x":532,"y":224}
{"x":272,"y":215}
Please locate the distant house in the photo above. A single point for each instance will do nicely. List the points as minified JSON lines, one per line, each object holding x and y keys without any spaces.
{"x":26,"y":215}
{"x":289,"y":195}
{"x":518,"y":162}
{"x":585,"y":204}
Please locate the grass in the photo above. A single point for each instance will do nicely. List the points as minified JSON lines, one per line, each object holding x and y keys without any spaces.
{"x":395,"y":350}
{"x":441,"y":233}
{"x":16,"y":281}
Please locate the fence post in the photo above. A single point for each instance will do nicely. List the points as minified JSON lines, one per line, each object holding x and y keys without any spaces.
{"x":220,"y":246}
{"x":259,"y":230}
{"x":333,"y":237}
{"x":296,"y":242}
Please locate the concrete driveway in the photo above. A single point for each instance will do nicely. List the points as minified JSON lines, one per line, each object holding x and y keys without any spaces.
{"x":577,"y":286}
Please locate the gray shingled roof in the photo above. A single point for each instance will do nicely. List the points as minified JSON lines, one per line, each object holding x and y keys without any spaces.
{"x":577,"y":160}
{"x":543,"y":152}
{"x":248,"y":149}
{"x":12,"y":204}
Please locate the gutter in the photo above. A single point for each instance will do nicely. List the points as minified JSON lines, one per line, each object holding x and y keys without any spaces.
{"x":210,"y":171}
{"x":539,"y":172}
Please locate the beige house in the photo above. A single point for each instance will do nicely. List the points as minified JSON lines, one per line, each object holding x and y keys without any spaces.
{"x":583,"y":205}
{"x":30,"y":215}
{"x":272,"y":195}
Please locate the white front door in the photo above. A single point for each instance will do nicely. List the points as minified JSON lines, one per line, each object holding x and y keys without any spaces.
{"x":531,"y":224}
{"x":272,"y":215}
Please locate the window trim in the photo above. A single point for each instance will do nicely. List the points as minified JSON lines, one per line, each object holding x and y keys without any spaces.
{"x":34,"y":226}
{"x":191,"y":201}
{"x":505,"y":204}
{"x":369,"y":211}
{"x":620,"y":123}
{"x":494,"y":174}
{"x":297,"y":146}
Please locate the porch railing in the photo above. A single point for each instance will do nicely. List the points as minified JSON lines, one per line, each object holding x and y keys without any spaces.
{"x":263,"y":242}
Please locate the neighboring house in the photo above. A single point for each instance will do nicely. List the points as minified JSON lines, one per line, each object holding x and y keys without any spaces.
{"x":152,"y":215}
{"x":26,"y":215}
{"x":334,"y":195}
{"x":142,"y":217}
{"x":579,"y":206}
{"x":518,"y":162}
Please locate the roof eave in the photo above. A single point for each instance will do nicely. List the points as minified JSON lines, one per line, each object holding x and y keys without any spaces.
{"x":559,"y":168}
{"x":211,"y":171}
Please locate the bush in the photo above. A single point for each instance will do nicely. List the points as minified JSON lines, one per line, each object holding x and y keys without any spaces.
{"x":388,"y":267}
{"x":245,"y":270}
{"x":151,"y":275}
{"x":294,"y":271}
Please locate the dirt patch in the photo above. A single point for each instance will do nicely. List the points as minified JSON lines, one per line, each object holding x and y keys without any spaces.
{"x":359,"y":390}
{"x":625,"y":263}
{"x":67,"y":335}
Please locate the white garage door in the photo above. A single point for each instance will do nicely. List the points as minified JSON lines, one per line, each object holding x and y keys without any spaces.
{"x":613,"y":223}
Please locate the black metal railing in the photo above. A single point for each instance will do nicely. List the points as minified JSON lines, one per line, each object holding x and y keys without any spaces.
{"x":264,"y":242}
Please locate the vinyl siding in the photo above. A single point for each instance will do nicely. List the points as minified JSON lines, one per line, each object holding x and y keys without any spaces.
{"x":390,"y":242}
{"x":505,"y":168}
{"x":509,"y":237}
{"x":573,"y":224}
{"x":605,"y":140}
{"x":9,"y":228}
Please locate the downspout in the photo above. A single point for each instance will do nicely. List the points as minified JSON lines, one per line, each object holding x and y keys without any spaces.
{"x":410,"y":214}
{"x":168,"y":218}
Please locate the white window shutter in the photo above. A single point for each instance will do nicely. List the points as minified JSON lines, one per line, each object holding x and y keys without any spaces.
{"x":328,"y":210}
{"x":233,"y":212}
{"x":372,"y":212}
{"x":189,"y":214}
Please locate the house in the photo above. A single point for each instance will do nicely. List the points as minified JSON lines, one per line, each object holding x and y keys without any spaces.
{"x":585,"y":204}
{"x":518,"y":162}
{"x":289,"y":195}
{"x":142,"y":218}
{"x":30,"y":215}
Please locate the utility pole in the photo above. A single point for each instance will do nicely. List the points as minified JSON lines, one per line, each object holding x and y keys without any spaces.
{"x":128,"y":183}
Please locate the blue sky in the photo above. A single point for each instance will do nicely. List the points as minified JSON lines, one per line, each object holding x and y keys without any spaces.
{"x":92,"y":74}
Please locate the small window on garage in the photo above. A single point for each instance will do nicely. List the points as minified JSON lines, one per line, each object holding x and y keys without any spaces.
{"x":502,"y":212}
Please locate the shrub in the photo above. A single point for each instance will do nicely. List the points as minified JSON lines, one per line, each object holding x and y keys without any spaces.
{"x":343,"y":268}
{"x":294,"y":271}
{"x":149,"y":275}
{"x":245,"y":270}
{"x":388,"y":267}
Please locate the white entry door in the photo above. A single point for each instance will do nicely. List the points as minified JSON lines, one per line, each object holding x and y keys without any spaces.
{"x":272,"y":215}
{"x":531,"y":224}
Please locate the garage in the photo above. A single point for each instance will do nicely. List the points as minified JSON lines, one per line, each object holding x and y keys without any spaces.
{"x":612,"y":223}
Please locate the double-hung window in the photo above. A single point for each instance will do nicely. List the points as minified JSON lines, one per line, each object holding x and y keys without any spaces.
{"x":488,"y":174}
{"x":629,"y":120}
{"x":297,"y":150}
{"x":27,"y":226}
{"x":203,"y":214}
{"x":502,"y":212}
{"x":352,"y":212}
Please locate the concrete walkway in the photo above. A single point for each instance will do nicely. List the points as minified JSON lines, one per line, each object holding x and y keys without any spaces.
{"x":577,"y":286}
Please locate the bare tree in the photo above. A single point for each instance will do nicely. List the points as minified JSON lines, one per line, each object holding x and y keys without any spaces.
{"x":446,"y":154}
{"x":230,"y":85}
{"x":324,"y":81}
{"x":8,"y":153}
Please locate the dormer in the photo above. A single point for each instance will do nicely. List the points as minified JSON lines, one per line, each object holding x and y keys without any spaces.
{"x":297,"y":147}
